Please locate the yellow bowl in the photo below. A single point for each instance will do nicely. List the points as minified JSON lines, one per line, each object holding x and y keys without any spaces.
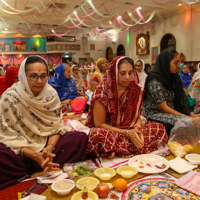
{"x":91,"y":195}
{"x":70,"y":114}
{"x":90,"y":182}
{"x":99,"y":173}
{"x":127,"y":171}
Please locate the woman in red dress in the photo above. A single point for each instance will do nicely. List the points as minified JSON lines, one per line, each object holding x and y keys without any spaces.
{"x":114,"y":115}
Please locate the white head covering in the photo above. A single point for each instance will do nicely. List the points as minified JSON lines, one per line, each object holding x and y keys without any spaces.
{"x":142,"y":75}
{"x":26,"y":120}
{"x":78,"y":79}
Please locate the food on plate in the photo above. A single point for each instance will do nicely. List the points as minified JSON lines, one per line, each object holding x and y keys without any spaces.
{"x":179,"y":149}
{"x":120,"y":184}
{"x":113,"y":196}
{"x":82,"y":170}
{"x":103,"y":190}
{"x":162,"y":166}
{"x":62,"y":186}
{"x":111,"y":186}
{"x":194,"y":158}
{"x":127,"y":173}
{"x":105,"y":175}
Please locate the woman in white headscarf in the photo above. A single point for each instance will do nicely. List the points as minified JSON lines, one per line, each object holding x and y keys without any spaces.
{"x":32,"y":136}
{"x":78,"y":80}
{"x":194,"y":87}
{"x":139,"y":65}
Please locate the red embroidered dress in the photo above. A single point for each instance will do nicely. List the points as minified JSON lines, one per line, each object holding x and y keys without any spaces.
{"x":122,"y":112}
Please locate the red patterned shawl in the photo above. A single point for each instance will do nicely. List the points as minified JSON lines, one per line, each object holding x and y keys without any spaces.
{"x":122,"y":112}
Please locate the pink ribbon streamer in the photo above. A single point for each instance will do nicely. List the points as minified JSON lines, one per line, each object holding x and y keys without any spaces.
{"x":142,"y":18}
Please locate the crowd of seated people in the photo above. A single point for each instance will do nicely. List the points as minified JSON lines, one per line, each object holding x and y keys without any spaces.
{"x":33,"y":138}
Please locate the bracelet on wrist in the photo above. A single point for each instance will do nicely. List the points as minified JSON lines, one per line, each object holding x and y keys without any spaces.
{"x":22,"y":152}
{"x":52,"y":145}
{"x":127,"y":135}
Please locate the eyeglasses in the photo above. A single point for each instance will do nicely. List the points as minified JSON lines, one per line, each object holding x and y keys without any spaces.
{"x":35,"y":77}
{"x":138,"y":65}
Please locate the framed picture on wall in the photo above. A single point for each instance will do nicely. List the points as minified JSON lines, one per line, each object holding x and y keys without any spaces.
{"x":78,"y":47}
{"x":53,"y":47}
{"x":48,"y":47}
{"x":58,"y":47}
{"x":7,"y":48}
{"x":68,"y":47}
{"x":19,"y":46}
{"x":72,"y":47}
{"x":63,"y":47}
{"x":154,"y":54}
{"x":142,"y":44}
{"x":92,"y":46}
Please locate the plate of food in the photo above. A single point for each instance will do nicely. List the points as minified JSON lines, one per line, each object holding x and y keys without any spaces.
{"x":149,"y":163}
{"x":156,"y":188}
{"x":79,"y":169}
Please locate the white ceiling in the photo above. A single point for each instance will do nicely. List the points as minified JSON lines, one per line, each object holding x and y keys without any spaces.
{"x":31,"y":17}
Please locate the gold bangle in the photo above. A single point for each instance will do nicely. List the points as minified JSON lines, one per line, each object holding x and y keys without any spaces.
{"x":127,"y":135}
{"x":52,"y":145}
{"x":22,"y":152}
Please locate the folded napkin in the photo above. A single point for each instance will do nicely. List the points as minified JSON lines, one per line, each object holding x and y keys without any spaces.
{"x":190,"y":182}
{"x":34,"y":197}
{"x":51,"y":178}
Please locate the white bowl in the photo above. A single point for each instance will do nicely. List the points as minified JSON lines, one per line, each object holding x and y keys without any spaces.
{"x":63,"y":191}
{"x":193,"y":158}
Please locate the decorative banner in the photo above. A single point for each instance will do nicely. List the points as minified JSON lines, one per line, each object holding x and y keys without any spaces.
{"x":55,"y":58}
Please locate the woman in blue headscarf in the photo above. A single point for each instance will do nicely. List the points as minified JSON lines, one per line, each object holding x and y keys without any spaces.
{"x":66,"y":88}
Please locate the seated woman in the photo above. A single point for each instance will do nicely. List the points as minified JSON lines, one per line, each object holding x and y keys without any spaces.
{"x":139,"y":65}
{"x":32,"y":136}
{"x":147,"y":68}
{"x":194,"y":87}
{"x":186,"y":77}
{"x":9,"y":78}
{"x":101,"y":67}
{"x":2,"y":72}
{"x":65,"y":86}
{"x":78,"y":80}
{"x":114,"y":115}
{"x":83,"y":73}
{"x":165,"y":100}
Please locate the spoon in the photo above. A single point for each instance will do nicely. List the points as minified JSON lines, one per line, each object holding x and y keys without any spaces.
{"x":100,"y":165}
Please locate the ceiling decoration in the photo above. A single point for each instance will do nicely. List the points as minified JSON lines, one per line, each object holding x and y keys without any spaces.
{"x":101,"y":20}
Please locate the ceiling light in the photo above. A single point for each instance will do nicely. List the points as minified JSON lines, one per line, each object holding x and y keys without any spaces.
{"x":114,"y":39}
{"x":5,"y":29}
{"x":180,"y":4}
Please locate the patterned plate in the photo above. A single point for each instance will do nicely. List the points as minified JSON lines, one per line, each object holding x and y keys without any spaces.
{"x":151,"y":187}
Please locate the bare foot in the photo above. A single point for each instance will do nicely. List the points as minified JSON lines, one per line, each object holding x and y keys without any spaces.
{"x":111,"y":155}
